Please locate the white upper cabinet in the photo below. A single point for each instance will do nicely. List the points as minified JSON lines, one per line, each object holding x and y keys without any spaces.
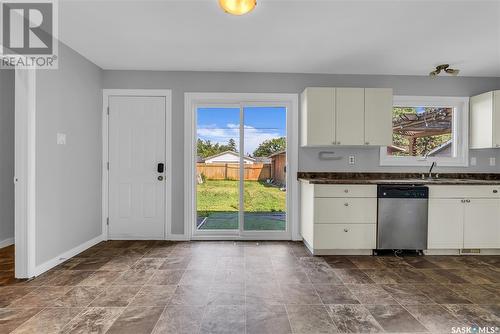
{"x":485,"y":120}
{"x":318,"y":123}
{"x":349,"y":116}
{"x":346,"y":116}
{"x":378,"y":116}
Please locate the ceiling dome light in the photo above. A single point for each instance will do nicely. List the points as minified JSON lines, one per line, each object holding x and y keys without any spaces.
{"x":238,"y":7}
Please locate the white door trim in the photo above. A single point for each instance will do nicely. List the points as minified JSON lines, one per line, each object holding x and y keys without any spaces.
{"x":25,"y":173}
{"x":193,"y":99}
{"x":167,"y":94}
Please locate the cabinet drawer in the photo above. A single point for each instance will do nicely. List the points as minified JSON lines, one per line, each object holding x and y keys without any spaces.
{"x":345,"y":236}
{"x":464,"y":191}
{"x":347,"y":190}
{"x":345,"y":210}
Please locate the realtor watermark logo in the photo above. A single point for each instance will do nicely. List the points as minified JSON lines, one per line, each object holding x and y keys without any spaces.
{"x":29,"y":34}
{"x":475,"y":330}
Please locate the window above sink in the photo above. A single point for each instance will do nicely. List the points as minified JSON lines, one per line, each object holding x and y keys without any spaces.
{"x":428,"y":129}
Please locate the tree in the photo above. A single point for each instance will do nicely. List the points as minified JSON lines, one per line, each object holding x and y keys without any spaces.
{"x":270,"y":146}
{"x":232,"y":145}
{"x":206,"y":148}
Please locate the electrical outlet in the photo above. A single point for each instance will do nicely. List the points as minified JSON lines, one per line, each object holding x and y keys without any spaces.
{"x":473,"y":161}
{"x":492,"y":161}
{"x":61,"y":139}
{"x":352,"y":160}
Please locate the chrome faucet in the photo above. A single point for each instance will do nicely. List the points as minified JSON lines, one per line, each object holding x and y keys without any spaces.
{"x":434,"y":164}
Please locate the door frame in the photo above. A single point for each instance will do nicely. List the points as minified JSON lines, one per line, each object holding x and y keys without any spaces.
{"x":191,"y":101}
{"x":167,"y":94}
{"x":25,"y":173}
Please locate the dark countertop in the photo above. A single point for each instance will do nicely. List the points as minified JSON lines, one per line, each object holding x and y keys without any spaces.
{"x":399,"y":178}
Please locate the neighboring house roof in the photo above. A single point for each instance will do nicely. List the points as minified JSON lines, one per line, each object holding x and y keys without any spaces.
{"x":277,"y":153}
{"x":439,"y":148}
{"x":264,"y":160}
{"x":236,"y":155}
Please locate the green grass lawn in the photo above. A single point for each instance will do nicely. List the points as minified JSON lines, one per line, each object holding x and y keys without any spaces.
{"x":264,"y":205}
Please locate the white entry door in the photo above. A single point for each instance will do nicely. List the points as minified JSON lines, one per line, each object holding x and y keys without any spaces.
{"x":136,"y":178}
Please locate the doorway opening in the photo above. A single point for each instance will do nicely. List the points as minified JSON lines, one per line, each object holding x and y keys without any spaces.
{"x":7,"y":158}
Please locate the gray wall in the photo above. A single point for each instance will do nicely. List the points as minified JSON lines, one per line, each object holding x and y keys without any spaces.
{"x":68,"y":189}
{"x":367,"y":159}
{"x":7,"y":86}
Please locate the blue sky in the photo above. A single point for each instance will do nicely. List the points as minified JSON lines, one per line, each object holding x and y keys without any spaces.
{"x":261,"y":123}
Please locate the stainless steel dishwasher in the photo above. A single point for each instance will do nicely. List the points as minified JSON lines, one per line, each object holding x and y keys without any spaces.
{"x":402,"y":217}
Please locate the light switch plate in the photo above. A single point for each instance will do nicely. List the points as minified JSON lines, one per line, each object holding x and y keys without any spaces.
{"x":492,"y":161}
{"x":473,"y":161}
{"x":352,"y":160}
{"x":61,"y":139}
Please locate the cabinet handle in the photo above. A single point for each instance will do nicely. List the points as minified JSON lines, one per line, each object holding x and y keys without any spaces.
{"x":463,"y":201}
{"x":346,"y":204}
{"x":334,"y":142}
{"x":338,"y":143}
{"x":346,"y":230}
{"x":467,"y":200}
{"x":495,"y":191}
{"x":367,"y":143}
{"x":346,"y":190}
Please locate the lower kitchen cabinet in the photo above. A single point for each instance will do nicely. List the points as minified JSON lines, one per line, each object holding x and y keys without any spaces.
{"x":339,"y":218}
{"x":446,"y":224}
{"x":482,"y":223}
{"x":464,"y":217}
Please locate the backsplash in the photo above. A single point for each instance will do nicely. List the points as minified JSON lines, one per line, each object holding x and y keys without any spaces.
{"x":367,"y":160}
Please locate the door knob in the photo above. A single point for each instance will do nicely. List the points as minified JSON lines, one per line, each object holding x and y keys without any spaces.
{"x":160,"y":168}
{"x":160,"y":178}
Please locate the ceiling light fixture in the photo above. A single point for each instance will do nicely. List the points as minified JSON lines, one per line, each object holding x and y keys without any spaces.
{"x":238,"y":7}
{"x":446,"y":68}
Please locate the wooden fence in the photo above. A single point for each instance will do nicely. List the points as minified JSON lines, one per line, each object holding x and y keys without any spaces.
{"x":253,"y":172}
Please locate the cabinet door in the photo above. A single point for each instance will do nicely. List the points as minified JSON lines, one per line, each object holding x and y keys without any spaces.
{"x":378,"y":116}
{"x":318,"y":116}
{"x":496,"y":118}
{"x":445,"y":224}
{"x":349,"y":116}
{"x":481,"y":121}
{"x":482,"y":223}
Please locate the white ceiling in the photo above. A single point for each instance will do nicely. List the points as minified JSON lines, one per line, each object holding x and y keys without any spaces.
{"x":400,"y":37}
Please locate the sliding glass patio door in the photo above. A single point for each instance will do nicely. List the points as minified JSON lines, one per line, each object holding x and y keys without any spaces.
{"x":241,"y":170}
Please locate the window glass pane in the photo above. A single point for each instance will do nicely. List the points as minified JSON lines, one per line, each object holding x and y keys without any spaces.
{"x":422,"y":131}
{"x":264,"y":189}
{"x":218,"y":168}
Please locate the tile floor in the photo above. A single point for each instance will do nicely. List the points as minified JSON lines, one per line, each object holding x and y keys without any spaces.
{"x":247,"y":287}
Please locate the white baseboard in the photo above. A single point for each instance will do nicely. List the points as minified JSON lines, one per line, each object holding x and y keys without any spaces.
{"x":133,"y":237}
{"x":178,"y":237}
{"x":66,"y":255}
{"x":6,"y":242}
